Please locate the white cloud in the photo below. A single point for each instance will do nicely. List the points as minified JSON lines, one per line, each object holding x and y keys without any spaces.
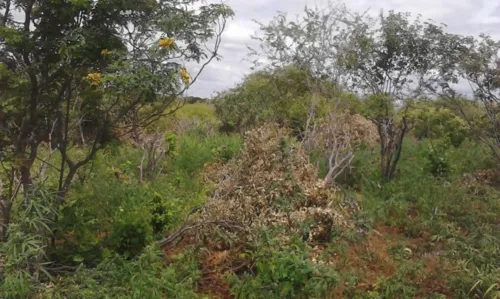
{"x":488,"y":14}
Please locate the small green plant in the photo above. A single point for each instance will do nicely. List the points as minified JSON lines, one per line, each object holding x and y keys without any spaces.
{"x":285,"y":272}
{"x":402,"y":283}
{"x":438,"y":164}
{"x":162,"y":213}
{"x":130,"y":235}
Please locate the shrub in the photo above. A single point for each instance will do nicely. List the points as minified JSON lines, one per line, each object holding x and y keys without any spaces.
{"x":433,"y":120}
{"x":163,"y":213}
{"x":284,"y":272}
{"x":281,"y":96}
{"x":436,"y":155}
{"x":23,"y":256}
{"x":130,"y":235}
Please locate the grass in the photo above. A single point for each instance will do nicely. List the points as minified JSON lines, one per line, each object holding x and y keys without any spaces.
{"x":442,"y":219}
{"x":203,"y":111}
{"x":422,"y":235}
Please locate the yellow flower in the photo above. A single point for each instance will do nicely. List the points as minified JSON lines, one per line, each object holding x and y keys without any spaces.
{"x":94,"y":79}
{"x":105,"y":52}
{"x":184,"y":75}
{"x":167,"y":42}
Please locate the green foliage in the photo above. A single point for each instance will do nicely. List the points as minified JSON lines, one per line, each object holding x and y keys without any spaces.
{"x":401,"y":283}
{"x":145,"y":277}
{"x":162,"y":213}
{"x":79,"y":74}
{"x":25,"y":252}
{"x":433,"y":120}
{"x":123,"y":214}
{"x":473,"y":60}
{"x":130,"y":235}
{"x":438,"y":164}
{"x":74,"y":76}
{"x":196,"y":149}
{"x":284,"y":272}
{"x":378,"y":106}
{"x":417,"y":203}
{"x":281,"y":96}
{"x":203,"y":111}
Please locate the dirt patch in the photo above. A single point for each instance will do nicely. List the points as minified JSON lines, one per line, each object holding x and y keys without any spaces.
{"x":377,"y":246}
{"x":373,"y":259}
{"x":216,"y":263}
{"x":433,"y":281}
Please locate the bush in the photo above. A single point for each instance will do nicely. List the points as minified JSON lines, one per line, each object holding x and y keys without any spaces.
{"x":281,"y":96}
{"x":23,"y":256}
{"x":130,"y":235}
{"x":196,"y":149}
{"x":433,"y":120}
{"x":163,"y":213}
{"x":284,"y":272}
{"x":438,"y":164}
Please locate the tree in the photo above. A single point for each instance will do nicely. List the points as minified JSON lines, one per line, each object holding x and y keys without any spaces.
{"x":475,"y":62}
{"x":388,"y":60}
{"x":391,"y":60}
{"x":82,"y":68}
{"x":314,"y":43}
{"x":280,"y":95}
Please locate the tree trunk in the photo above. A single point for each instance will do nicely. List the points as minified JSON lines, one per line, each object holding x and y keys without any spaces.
{"x":6,"y":209}
{"x":391,"y":145}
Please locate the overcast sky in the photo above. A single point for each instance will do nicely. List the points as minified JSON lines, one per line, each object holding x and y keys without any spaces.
{"x":468,"y":17}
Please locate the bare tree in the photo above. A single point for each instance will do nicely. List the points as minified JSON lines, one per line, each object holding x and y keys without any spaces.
{"x":332,"y":138}
{"x":314,"y":43}
{"x":155,"y":148}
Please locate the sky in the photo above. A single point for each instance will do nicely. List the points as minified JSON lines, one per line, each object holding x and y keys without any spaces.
{"x":466,"y":17}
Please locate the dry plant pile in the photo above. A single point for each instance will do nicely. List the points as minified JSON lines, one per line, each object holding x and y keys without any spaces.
{"x":337,"y":136}
{"x":273,"y":183}
{"x":476,"y":183}
{"x":362,"y":130}
{"x":343,"y":127}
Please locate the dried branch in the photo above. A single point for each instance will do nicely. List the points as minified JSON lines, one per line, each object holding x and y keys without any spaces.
{"x":227,"y":224}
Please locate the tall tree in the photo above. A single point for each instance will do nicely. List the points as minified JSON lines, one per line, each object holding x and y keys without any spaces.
{"x":388,"y":59}
{"x":82,"y":67}
{"x":314,"y":42}
{"x":391,"y":60}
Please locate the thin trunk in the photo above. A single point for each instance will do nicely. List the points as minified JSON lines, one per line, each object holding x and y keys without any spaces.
{"x":7,"y":202}
{"x":6,"y":209}
{"x":5,"y":18}
{"x":399,"y":148}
